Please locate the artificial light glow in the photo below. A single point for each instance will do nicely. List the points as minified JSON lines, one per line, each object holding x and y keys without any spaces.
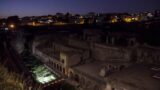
{"x":60,"y":23}
{"x":45,"y":79}
{"x":33,"y":23}
{"x":128,"y":20}
{"x":43,"y":75}
{"x":12,"y":26}
{"x":136,"y":19}
{"x":81,"y":21}
{"x":81,"y":17}
{"x":114,"y":20}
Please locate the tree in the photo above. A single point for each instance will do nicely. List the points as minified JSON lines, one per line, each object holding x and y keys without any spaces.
{"x":2,"y":21}
{"x":67,"y":17}
{"x":13,"y":20}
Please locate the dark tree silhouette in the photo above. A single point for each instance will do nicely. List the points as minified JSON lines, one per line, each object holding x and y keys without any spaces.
{"x":13,"y":20}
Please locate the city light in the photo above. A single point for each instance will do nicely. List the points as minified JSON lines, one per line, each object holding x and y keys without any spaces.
{"x":33,"y":23}
{"x":60,"y":23}
{"x":135,"y":19}
{"x":114,"y":20}
{"x":12,"y":26}
{"x":128,"y":20}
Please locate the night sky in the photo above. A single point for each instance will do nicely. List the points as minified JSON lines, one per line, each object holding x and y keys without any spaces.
{"x":45,"y":7}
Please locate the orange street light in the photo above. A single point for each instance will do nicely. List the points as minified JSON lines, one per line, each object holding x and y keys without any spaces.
{"x":33,"y":23}
{"x":12,"y":26}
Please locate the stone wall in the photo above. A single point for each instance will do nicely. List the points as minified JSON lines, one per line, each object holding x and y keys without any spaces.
{"x":85,"y":82}
{"x":78,"y":44}
{"x":110,"y":53}
{"x":148,"y":54}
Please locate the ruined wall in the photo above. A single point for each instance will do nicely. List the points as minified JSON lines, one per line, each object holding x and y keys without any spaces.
{"x":148,"y":55}
{"x":107,"y":53}
{"x":84,"y":82}
{"x":78,"y":44}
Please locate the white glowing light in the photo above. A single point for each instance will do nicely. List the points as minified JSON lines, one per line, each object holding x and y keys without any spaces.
{"x":12,"y":26}
{"x":43,"y":75}
{"x":45,"y":79}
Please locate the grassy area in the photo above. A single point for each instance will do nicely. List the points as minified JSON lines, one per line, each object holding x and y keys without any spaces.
{"x":10,"y":80}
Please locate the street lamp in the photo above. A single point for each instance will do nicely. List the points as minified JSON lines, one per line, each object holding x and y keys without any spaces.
{"x":33,"y":23}
{"x":12,"y":26}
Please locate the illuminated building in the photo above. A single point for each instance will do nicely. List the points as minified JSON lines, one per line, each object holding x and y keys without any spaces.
{"x":128,"y":19}
{"x":114,"y":20}
{"x":60,"y":60}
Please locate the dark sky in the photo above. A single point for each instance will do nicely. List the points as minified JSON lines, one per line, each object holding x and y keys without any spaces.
{"x":45,"y":7}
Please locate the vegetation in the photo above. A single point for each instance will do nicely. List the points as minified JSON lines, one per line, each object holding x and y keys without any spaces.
{"x":12,"y":81}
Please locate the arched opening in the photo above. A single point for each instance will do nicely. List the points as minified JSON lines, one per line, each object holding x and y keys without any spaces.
{"x":63,"y":61}
{"x":54,"y":65}
{"x":71,"y":75}
{"x":64,"y":70}
{"x":60,"y":68}
{"x":121,"y":67}
{"x":76,"y":78}
{"x":57,"y":66}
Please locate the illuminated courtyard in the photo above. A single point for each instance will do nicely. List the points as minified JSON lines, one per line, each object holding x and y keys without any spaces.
{"x":39,"y":71}
{"x":43,"y":75}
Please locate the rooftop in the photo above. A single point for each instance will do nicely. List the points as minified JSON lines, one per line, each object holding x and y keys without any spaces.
{"x":138,"y":77}
{"x":92,"y":70}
